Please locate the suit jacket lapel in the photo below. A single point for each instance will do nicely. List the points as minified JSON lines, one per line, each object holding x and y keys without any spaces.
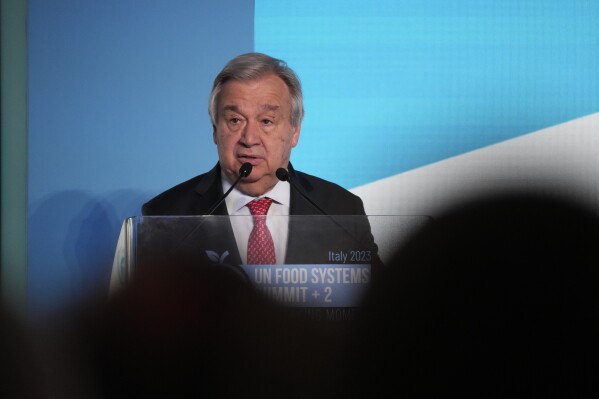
{"x":209,"y":190}
{"x":217,"y":234}
{"x":297,"y":204}
{"x":301,"y":240}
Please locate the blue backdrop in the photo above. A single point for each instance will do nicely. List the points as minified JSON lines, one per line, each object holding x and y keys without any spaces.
{"x":394,"y":85}
{"x":118,"y":96}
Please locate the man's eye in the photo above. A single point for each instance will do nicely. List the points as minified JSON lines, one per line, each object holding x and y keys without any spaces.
{"x":234,"y":120}
{"x":266,"y":122}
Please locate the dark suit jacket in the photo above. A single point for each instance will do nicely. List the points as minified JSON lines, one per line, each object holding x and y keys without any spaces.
{"x":197,"y":195}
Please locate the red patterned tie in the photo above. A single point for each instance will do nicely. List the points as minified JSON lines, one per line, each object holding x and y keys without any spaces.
{"x":261,"y":248}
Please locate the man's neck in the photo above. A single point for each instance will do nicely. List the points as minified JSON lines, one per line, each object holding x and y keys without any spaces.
{"x":256,"y":189}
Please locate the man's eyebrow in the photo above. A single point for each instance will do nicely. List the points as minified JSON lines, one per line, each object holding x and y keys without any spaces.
{"x":266,"y":107}
{"x":233,"y":108}
{"x":270,"y":107}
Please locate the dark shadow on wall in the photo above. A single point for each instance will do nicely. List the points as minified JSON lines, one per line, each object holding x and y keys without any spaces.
{"x":72,"y":238}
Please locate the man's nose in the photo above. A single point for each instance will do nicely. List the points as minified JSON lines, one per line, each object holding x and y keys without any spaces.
{"x":250,"y":134}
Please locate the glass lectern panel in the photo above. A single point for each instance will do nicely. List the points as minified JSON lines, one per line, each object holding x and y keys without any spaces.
{"x":327,"y":261}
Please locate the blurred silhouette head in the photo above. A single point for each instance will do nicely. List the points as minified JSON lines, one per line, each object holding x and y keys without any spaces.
{"x":497,"y":298}
{"x":199,"y":331}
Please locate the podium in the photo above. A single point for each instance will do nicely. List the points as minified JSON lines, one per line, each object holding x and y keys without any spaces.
{"x":330,"y":260}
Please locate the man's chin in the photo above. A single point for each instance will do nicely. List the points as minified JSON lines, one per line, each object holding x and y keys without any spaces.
{"x":256,"y":187}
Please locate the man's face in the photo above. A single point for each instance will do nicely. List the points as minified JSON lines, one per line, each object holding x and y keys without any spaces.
{"x":253,"y":126}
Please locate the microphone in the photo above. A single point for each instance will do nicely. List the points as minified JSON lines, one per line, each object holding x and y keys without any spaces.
{"x":244,"y":171}
{"x":283,"y":175}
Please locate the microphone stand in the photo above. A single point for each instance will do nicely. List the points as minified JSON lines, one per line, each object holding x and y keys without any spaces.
{"x":244,"y":171}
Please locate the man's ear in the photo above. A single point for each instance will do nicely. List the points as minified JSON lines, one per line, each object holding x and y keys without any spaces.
{"x":295,"y":135}
{"x":214,"y":134}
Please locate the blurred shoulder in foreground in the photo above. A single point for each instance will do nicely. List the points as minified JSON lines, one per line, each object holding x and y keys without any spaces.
{"x":498,"y":298}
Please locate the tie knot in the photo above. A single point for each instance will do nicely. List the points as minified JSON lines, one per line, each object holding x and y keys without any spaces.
{"x":260,"y":206}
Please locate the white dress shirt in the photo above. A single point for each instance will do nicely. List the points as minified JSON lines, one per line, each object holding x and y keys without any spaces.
{"x":242,"y":226}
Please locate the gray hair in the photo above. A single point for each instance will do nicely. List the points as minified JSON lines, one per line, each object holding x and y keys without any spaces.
{"x":253,"y":66}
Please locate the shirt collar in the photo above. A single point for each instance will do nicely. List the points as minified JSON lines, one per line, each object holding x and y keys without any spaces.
{"x":236,"y":199}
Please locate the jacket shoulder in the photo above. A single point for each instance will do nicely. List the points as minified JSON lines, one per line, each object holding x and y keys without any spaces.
{"x":181,"y":199}
{"x":333,"y":198}
{"x":311,"y":182}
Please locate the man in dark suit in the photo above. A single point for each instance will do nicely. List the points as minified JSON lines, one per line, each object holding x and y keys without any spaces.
{"x":256,"y":110}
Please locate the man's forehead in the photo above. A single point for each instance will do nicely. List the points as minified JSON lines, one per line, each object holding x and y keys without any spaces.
{"x":267,"y":93}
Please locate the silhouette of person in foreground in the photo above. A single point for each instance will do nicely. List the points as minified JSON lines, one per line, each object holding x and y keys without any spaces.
{"x":182,"y":331}
{"x":497,"y":298}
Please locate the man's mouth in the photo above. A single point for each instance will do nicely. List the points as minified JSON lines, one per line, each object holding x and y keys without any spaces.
{"x":249,"y":158}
